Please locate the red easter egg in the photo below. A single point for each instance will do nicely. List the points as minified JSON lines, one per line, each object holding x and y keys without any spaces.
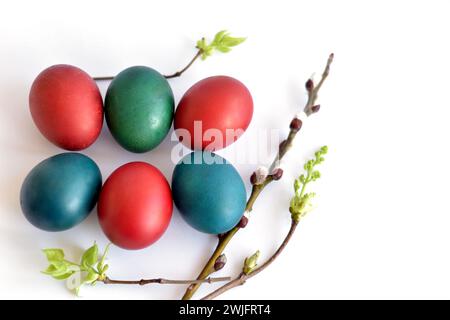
{"x":67,"y":107}
{"x":135,"y":205}
{"x":213,"y":113}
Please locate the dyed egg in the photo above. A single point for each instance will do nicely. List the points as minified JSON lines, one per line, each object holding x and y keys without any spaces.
{"x":61,"y":191}
{"x":139,"y":108}
{"x":208,"y":192}
{"x":67,"y":107}
{"x":135,"y":205}
{"x":213,"y":113}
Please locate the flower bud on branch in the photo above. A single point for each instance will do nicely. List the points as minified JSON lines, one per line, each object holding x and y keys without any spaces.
{"x":296,"y":125}
{"x":259,"y":176}
{"x":220,"y":262}
{"x":277,"y":173}
{"x":243,"y":222}
{"x":309,"y":85}
{"x":251,"y":263}
{"x":315,"y":108}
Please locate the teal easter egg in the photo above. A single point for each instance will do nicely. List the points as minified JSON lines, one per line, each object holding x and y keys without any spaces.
{"x":208,"y":192}
{"x":139,"y":108}
{"x":60,"y":191}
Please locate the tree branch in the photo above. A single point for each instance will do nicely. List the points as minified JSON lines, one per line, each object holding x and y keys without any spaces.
{"x":179,"y":73}
{"x":242,"y":278}
{"x":163,"y":281}
{"x":309,"y":109}
{"x":170,"y":76}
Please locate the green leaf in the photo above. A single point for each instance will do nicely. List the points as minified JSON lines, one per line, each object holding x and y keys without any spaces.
{"x":90,"y":257}
{"x":54,"y":255}
{"x":219,"y":37}
{"x":201,"y":44}
{"x":90,"y":278}
{"x":222,"y":42}
{"x":64,"y":276}
{"x":61,"y":270}
{"x":207,"y":52}
{"x":56,"y":269}
{"x":101,"y":267}
{"x":231,"y":41}
{"x":50,"y":270}
{"x":223,"y":49}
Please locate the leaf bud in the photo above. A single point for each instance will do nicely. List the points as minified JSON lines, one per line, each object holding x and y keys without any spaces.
{"x":220,"y":262}
{"x":295,"y":125}
{"x":277,"y":174}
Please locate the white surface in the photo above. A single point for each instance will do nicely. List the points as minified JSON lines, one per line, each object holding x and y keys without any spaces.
{"x":381,"y":229}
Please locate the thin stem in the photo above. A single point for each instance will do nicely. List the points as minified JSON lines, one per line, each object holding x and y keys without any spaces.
{"x":285,"y":146}
{"x":179,"y":73}
{"x":313,"y":94}
{"x":170,"y":76}
{"x":103,"y":78}
{"x":242,"y":278}
{"x":164,"y":281}
{"x":302,"y":191}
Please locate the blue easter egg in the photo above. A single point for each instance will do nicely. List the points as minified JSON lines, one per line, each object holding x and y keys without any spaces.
{"x":208,"y":192}
{"x":61,"y":191}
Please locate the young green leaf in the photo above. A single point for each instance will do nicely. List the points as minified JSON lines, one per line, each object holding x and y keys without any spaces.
{"x":201,"y":44}
{"x":50,"y":270}
{"x":54,"y":254}
{"x":101,"y":267}
{"x":222,"y":42}
{"x":231,"y":41}
{"x":61,"y":269}
{"x":90,"y":278}
{"x":223,"y":49}
{"x":56,"y":269}
{"x":64,"y":276}
{"x":219,"y":37}
{"x":90,"y":257}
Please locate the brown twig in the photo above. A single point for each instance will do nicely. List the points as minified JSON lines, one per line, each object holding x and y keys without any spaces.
{"x":170,"y":76}
{"x":163,"y":281}
{"x":243,"y":277}
{"x":103,"y":78}
{"x":179,"y":73}
{"x":310,"y":108}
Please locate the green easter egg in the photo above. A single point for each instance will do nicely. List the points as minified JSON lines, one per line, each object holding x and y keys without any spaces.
{"x":139,"y":108}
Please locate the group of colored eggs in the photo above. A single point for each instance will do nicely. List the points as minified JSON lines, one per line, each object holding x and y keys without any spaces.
{"x":135,"y":203}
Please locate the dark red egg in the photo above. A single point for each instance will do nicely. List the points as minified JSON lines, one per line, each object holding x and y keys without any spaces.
{"x":67,"y":107}
{"x":213,"y":113}
{"x":135,"y":205}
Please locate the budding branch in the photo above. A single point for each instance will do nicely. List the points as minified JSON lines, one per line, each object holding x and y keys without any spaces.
{"x":163,"y":281}
{"x":170,"y":76}
{"x":309,"y":109}
{"x":243,"y":277}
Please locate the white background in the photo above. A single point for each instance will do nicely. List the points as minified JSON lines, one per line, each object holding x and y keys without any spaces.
{"x":381,"y":229}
